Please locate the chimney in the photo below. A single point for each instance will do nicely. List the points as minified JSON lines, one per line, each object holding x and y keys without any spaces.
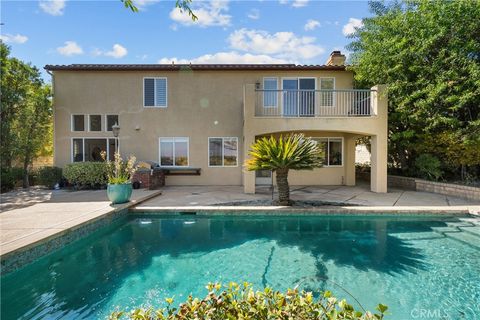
{"x":336,"y":59}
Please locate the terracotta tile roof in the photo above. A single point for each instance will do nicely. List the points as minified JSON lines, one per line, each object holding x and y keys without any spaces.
{"x":177,"y":67}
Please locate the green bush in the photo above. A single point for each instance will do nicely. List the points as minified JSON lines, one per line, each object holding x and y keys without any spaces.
{"x":242,"y":302}
{"x":86,"y":174}
{"x":49,"y":176}
{"x":428,"y":167}
{"x":9,"y":177}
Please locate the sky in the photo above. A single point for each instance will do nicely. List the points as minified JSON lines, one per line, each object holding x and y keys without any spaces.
{"x":261,"y":31}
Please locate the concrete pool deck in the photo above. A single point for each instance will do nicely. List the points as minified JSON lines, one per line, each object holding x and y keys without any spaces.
{"x":34,"y":216}
{"x":339,"y":198}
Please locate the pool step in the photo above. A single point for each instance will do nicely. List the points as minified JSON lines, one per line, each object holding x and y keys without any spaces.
{"x":473,"y":230}
{"x":465,"y":237}
{"x":459,"y":224}
{"x":445,"y":229}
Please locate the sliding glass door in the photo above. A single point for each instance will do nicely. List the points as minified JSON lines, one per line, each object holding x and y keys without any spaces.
{"x":298,"y":97}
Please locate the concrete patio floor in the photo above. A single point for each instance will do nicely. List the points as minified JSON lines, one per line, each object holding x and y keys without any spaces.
{"x":33,"y":216}
{"x":360,"y":195}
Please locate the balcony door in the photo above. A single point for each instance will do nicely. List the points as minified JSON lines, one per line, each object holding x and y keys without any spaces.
{"x":298,"y":97}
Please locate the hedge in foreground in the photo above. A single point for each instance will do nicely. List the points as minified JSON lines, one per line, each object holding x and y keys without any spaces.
{"x":86,"y":174}
{"x":242,"y":302}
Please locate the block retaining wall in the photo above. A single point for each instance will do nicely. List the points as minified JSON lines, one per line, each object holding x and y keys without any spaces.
{"x":449,"y":189}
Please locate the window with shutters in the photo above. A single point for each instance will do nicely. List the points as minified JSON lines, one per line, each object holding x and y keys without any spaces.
{"x":155,"y":92}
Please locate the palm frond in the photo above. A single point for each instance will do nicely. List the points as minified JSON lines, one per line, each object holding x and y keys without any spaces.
{"x":295,"y":152}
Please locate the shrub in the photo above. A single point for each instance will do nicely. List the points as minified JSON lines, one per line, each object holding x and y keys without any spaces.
{"x":428,"y":167}
{"x":242,"y":302}
{"x":86,"y":174}
{"x":49,"y":176}
{"x":9,"y":177}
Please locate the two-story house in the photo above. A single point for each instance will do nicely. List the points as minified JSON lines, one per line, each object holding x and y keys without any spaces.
{"x":205,"y":117}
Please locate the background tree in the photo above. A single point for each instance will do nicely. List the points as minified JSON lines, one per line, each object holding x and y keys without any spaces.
{"x":292,"y":152}
{"x":26,"y":113}
{"x":428,"y":53}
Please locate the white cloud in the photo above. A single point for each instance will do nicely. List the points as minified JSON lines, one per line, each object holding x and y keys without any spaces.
{"x":52,"y":7}
{"x":254,"y":14}
{"x":282,"y":45}
{"x":311,"y":25}
{"x":118,"y":51}
{"x":141,"y":4}
{"x":295,"y":3}
{"x":211,"y":13}
{"x":351,"y":26}
{"x":13,"y":38}
{"x":299,"y":3}
{"x":70,"y":48}
{"x":225,"y":57}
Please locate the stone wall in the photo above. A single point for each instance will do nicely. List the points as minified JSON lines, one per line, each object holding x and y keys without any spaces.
{"x":150,"y":179}
{"x":402,"y":182}
{"x":449,"y":189}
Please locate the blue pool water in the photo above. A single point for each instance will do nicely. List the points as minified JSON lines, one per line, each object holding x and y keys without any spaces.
{"x":420,"y":266}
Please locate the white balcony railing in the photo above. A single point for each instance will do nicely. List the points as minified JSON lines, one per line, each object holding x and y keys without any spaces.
{"x":314,"y":103}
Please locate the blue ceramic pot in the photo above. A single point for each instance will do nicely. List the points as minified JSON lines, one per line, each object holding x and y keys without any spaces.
{"x":119,"y":193}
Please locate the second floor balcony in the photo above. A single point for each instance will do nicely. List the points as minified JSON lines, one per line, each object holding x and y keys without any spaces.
{"x":314,"y":103}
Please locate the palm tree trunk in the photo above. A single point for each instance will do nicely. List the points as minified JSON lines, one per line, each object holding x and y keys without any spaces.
{"x":283,"y":187}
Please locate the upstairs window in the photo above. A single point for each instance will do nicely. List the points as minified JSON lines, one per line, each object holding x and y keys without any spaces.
{"x":270,"y":93}
{"x":94,"y":122}
{"x":222,"y":152}
{"x":111,"y":119}
{"x":78,"y":122}
{"x":155,"y":92}
{"x":327,"y":97}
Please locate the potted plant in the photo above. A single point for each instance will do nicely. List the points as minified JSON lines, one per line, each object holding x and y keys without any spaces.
{"x":119,"y":173}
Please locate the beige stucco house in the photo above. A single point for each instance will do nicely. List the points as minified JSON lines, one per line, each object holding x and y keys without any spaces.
{"x":199,"y":120}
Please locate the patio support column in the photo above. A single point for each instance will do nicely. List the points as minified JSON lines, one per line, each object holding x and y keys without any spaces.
{"x":379,"y":142}
{"x":349,"y":160}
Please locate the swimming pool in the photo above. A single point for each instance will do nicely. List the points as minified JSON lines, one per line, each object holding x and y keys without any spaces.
{"x":414,"y":264}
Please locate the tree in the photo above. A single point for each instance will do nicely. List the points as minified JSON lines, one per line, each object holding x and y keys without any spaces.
{"x":428,"y":53}
{"x":292,"y":152}
{"x":183,"y":5}
{"x":26,"y":112}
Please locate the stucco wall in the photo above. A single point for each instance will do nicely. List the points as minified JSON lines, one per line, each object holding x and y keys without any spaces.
{"x":201,"y":104}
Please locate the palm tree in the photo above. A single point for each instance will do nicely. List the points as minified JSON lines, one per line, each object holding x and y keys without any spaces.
{"x":292,"y":152}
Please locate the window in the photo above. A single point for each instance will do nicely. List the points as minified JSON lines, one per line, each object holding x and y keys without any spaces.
{"x":89,"y":149}
{"x":332,"y":150}
{"x":270,"y":98}
{"x":222,"y":152}
{"x":111,"y":119}
{"x":155,"y":92}
{"x":327,"y":97}
{"x":78,"y":122}
{"x":95,"y":122}
{"x":174,"y":152}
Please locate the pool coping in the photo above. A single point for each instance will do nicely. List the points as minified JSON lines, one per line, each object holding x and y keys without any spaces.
{"x":319,"y":210}
{"x":57,"y":238}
